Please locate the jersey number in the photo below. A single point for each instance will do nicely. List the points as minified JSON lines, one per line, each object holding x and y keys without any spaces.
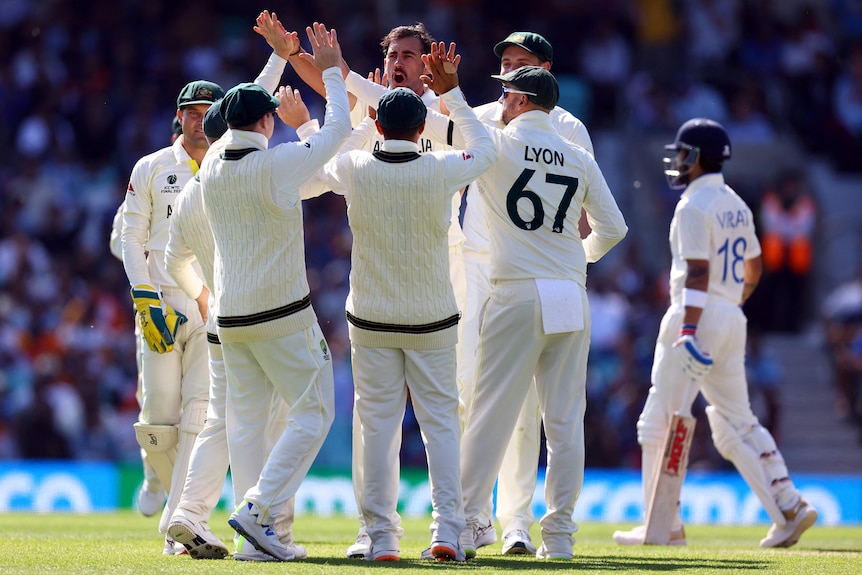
{"x":519,"y":190}
{"x":734,"y":256}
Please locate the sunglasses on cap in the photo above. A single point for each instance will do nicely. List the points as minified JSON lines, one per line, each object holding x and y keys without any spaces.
{"x":507,"y":90}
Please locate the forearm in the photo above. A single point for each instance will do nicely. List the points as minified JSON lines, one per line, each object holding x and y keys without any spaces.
{"x":753,"y":271}
{"x":695,"y":289}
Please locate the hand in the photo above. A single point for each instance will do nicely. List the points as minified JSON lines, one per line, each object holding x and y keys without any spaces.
{"x":694,"y":361}
{"x":203,"y":301}
{"x":283,"y":43}
{"x":325,"y":46}
{"x":443,"y":67}
{"x":292,"y":110}
{"x":159,"y":322}
{"x":375,"y":77}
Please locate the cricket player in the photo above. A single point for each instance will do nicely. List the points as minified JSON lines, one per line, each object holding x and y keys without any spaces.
{"x":536,"y":322}
{"x":268,"y":329}
{"x":174,"y":373}
{"x":401,"y":307}
{"x":151,"y":495}
{"x":191,"y":240}
{"x":403,"y":47}
{"x":517,"y":480}
{"x":715,"y":266}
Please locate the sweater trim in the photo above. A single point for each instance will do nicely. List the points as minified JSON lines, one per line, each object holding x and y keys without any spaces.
{"x":264,"y":316}
{"x":393,"y":327}
{"x":395,"y":157}
{"x":213,"y":339}
{"x":237,"y":154}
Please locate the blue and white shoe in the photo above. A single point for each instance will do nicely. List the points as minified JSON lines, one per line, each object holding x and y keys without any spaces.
{"x":263,"y":537}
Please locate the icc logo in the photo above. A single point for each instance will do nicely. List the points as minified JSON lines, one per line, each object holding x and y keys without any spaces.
{"x":172,"y":179}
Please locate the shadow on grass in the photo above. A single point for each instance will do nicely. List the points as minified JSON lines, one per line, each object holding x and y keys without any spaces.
{"x":632,"y":564}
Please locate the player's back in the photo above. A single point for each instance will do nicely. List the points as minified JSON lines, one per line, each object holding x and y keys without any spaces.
{"x":727,"y":227}
{"x":534,"y":193}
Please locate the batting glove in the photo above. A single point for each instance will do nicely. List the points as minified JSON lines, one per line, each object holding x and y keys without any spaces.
{"x":159,"y":321}
{"x":694,"y":361}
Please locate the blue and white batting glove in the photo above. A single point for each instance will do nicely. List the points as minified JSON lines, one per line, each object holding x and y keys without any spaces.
{"x":693,"y":360}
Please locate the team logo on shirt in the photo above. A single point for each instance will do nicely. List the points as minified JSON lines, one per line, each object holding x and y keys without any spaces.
{"x":131,"y":190}
{"x":466,"y":156}
{"x":171,"y":186}
{"x":324,"y":349}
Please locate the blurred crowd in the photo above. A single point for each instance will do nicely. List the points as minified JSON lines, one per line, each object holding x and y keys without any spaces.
{"x":87,"y":88}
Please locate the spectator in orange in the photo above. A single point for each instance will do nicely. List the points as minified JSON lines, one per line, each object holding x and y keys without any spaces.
{"x":788,"y":217}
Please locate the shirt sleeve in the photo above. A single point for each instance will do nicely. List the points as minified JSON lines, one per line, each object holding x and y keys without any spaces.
{"x":364,"y":89}
{"x":115,"y":242}
{"x":607,"y":224}
{"x":335,"y":173}
{"x":179,"y":257}
{"x":479,"y":153}
{"x":271,"y":73}
{"x":137,"y":215}
{"x":296,"y":162}
{"x":693,"y":233}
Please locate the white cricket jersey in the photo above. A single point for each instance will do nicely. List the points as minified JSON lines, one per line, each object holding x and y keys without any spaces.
{"x":252,"y":200}
{"x":534,"y":194}
{"x":711,"y":222}
{"x":399,"y":205}
{"x":156,"y":181}
{"x":475,"y":225}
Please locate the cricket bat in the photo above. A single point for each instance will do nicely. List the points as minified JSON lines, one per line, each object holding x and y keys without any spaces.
{"x":668,"y":484}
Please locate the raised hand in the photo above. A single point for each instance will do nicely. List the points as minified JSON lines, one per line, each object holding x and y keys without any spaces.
{"x":325,"y":46}
{"x":291,"y":110}
{"x":443,"y":67}
{"x":283,"y":43}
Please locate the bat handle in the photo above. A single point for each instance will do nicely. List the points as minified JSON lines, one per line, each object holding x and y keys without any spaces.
{"x":688,"y":396}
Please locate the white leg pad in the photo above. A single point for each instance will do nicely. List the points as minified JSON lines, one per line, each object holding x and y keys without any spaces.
{"x":191,"y":423}
{"x":160,"y":443}
{"x":744,"y":453}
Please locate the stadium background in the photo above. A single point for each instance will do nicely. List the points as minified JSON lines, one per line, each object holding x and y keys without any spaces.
{"x":86,"y":88}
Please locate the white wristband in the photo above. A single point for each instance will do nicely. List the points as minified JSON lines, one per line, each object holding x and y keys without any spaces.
{"x":693,"y":298}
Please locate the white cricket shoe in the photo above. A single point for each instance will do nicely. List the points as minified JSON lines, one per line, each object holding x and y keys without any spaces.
{"x":247,"y":552}
{"x":799,"y":519}
{"x":445,"y":551}
{"x":544,"y":553}
{"x":263,"y":537}
{"x":198,"y":539}
{"x":426,"y":554}
{"x":485,"y":535}
{"x":518,"y":542}
{"x":173,"y":548}
{"x":361,"y":548}
{"x":636,"y":536}
{"x":467,"y":541}
{"x":151,"y":499}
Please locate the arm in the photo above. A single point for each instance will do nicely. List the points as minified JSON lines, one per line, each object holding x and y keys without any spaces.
{"x":299,"y":161}
{"x":697,"y":278}
{"x":481,"y":152}
{"x":606,"y":222}
{"x":137,"y":214}
{"x":179,"y":257}
{"x":751,"y":277}
{"x":115,"y":243}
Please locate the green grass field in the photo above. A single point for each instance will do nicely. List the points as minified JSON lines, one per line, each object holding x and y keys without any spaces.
{"x":125,"y":542}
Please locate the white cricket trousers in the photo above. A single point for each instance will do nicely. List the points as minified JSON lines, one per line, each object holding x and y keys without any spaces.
{"x":209,"y":460}
{"x":513,"y":350}
{"x":517,"y":479}
{"x":298,"y":367}
{"x":382,"y":378}
{"x":721,"y":332}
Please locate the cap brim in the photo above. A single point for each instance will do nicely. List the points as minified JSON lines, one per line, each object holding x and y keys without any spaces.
{"x":672,"y":147}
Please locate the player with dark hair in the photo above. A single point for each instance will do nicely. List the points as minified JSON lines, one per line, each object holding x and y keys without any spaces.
{"x":401,"y":308}
{"x":715,"y":266}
